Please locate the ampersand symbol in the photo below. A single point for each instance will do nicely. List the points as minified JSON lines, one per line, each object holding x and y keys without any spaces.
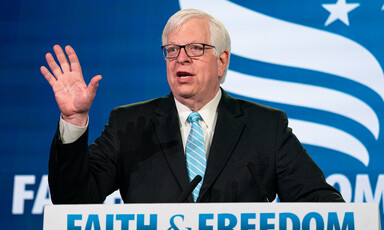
{"x":172,"y":222}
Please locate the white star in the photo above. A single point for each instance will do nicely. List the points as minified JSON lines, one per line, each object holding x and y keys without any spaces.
{"x":382,"y":7}
{"x":339,"y":11}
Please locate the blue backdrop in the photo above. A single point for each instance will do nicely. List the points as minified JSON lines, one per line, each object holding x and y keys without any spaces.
{"x":320,"y":61}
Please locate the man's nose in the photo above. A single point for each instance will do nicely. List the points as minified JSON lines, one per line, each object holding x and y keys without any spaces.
{"x":183,"y":57}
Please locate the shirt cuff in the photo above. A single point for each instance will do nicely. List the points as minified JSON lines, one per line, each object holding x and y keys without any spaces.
{"x":70,"y":133}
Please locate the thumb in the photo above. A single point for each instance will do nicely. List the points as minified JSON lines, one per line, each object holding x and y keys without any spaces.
{"x":93,"y":84}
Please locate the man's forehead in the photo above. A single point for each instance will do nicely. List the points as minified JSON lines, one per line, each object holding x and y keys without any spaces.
{"x":194,"y":29}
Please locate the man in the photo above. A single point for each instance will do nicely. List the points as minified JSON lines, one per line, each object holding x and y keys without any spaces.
{"x":152,"y":150}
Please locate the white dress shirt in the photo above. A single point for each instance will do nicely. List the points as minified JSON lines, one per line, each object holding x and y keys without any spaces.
{"x":209,"y":117}
{"x":70,"y":133}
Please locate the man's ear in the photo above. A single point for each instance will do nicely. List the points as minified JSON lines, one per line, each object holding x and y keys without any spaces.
{"x":222,"y":62}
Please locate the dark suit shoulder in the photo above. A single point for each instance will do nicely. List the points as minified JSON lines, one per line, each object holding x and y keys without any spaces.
{"x":258,"y":107}
{"x":250,"y":109}
{"x":157,"y":105}
{"x":140,"y":106}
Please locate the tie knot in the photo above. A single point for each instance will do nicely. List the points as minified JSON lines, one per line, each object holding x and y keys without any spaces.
{"x":194,"y":117}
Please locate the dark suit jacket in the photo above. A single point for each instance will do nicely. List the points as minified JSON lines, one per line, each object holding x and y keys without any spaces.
{"x":253,"y":155}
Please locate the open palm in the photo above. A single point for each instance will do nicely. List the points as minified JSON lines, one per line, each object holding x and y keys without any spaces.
{"x":72,"y":94}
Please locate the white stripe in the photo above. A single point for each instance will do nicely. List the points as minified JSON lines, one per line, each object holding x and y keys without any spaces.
{"x":197,"y":131}
{"x":330,"y":137}
{"x":192,"y":166}
{"x":200,"y":162}
{"x":196,"y":168}
{"x":203,"y":150}
{"x":191,"y":171}
{"x":191,"y":150}
{"x":201,"y":139}
{"x":340,"y":103}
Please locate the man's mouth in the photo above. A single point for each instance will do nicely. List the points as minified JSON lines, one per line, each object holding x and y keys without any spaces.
{"x":183,"y":75}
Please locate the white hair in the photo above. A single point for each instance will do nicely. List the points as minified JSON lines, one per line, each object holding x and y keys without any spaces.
{"x":219,"y":36}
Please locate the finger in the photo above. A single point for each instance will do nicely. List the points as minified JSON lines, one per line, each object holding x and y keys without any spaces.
{"x":75,"y":64}
{"x":48,"y":76}
{"x":92,"y":87}
{"x":62,"y":59}
{"x":53,"y":65}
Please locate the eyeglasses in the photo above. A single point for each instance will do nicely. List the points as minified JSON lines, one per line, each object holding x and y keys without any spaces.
{"x":192,"y":50}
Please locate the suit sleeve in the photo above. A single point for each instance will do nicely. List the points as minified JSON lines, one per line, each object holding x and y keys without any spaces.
{"x":82,"y":174}
{"x":299,"y":179}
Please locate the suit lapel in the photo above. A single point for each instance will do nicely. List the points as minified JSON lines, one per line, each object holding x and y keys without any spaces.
{"x":167,"y":130}
{"x":227,"y":133}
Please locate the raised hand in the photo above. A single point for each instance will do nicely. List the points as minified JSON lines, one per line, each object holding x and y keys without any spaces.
{"x":72,"y":94}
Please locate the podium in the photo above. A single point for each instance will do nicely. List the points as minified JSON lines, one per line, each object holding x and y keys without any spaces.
{"x":212,"y":216}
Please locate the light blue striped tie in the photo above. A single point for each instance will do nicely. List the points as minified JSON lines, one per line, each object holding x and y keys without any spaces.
{"x":195,"y":151}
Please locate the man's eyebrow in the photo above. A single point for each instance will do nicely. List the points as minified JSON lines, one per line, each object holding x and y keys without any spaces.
{"x":174,"y":43}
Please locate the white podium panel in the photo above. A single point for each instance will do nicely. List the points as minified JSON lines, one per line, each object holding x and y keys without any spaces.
{"x":213,"y":216}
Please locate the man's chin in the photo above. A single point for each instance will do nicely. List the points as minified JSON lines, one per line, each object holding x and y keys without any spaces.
{"x":183,"y":95}
{"x":184,"y":92}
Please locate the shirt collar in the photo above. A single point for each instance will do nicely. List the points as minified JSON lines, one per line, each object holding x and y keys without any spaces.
{"x":207,"y":113}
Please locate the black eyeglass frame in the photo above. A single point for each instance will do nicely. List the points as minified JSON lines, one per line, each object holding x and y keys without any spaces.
{"x":184,"y":46}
